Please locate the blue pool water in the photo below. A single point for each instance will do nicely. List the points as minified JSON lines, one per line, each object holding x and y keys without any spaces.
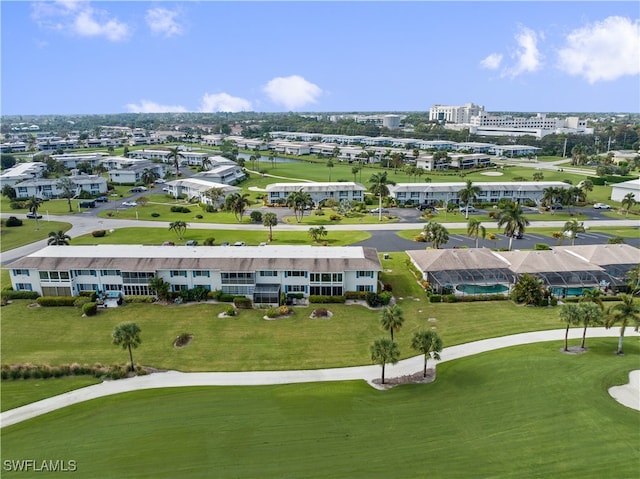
{"x":482,"y":289}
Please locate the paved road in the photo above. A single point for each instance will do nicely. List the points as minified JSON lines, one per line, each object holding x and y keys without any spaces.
{"x":255,"y":378}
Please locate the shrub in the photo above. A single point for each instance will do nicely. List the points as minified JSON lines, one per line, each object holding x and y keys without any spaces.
{"x":318,"y":212}
{"x":242,"y":302}
{"x":180,"y":209}
{"x":272,"y":313}
{"x":98,"y":233}
{"x":615,"y":240}
{"x":16,"y":205}
{"x":385,"y":297}
{"x":541,"y":247}
{"x":387,"y":287}
{"x":373,"y":299}
{"x":420,"y":238}
{"x":335,"y":217}
{"x":321,"y":312}
{"x":139,"y":299}
{"x":318,"y":298}
{"x":81,"y":301}
{"x":10,"y":294}
{"x":435,"y":298}
{"x":90,"y":309}
{"x":199,"y":217}
{"x":256,"y":216}
{"x":155,"y":215}
{"x":355,"y":295}
{"x":295,"y":295}
{"x":209,"y":241}
{"x":56,"y":300}
{"x":230,"y":311}
{"x":13,"y":221}
{"x":450,"y":298}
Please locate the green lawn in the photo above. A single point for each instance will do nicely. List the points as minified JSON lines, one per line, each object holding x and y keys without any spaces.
{"x":18,"y":393}
{"x":523,"y":412}
{"x":251,"y":237}
{"x":16,"y":236}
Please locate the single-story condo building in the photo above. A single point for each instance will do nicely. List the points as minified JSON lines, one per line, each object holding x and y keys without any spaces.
{"x":133,"y":173}
{"x":196,"y":188}
{"x":620,"y":190}
{"x":320,"y":191}
{"x":261,"y":273}
{"x":490,"y":192}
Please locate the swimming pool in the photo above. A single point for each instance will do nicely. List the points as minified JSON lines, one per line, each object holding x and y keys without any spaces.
{"x":482,"y":289}
{"x":576,"y":291}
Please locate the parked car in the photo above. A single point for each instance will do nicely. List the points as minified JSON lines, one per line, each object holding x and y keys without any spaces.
{"x":33,"y":216}
{"x":137,"y":189}
{"x":129,"y":203}
{"x":601,"y":206}
{"x":377,"y":210}
{"x":192,"y":243}
{"x":555,"y":206}
{"x":425,"y":208}
{"x":469,"y":208}
{"x":166,"y":189}
{"x":87,"y":204}
{"x":102,"y":199}
{"x":226,"y":243}
{"x":239,"y":243}
{"x":168,"y":243}
{"x":159,"y":181}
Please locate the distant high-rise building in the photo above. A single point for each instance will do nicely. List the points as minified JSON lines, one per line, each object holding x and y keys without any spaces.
{"x":455,"y":114}
{"x":391,"y":122}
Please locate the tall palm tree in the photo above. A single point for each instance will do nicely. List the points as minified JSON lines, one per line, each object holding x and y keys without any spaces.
{"x":68,"y":188}
{"x":549,"y":196}
{"x":624,"y":313}
{"x":628,"y":202}
{"x":175,"y":155}
{"x":237,"y":203}
{"x":206,"y":163}
{"x":572,"y":228}
{"x":468,"y":194}
{"x":33,"y":204}
{"x":593,"y":295}
{"x":591,"y":315}
{"x":429,"y":344}
{"x":330,"y":166}
{"x":384,"y":351}
{"x":269,"y":220}
{"x":513,"y":220}
{"x":127,"y":335}
{"x":148,"y":176}
{"x":392,"y":318}
{"x":571,"y":314}
{"x":354,"y":170}
{"x":58,"y":238}
{"x":298,"y":201}
{"x":178,"y":227}
{"x":317,"y":233}
{"x":380,"y":187}
{"x":475,"y":229}
{"x":160,"y":287}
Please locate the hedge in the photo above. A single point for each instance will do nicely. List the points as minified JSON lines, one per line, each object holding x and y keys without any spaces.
{"x":241,"y":302}
{"x":98,"y":233}
{"x":10,"y":294}
{"x":319,"y":298}
{"x":45,"y":371}
{"x":139,"y":299}
{"x":356,"y":295}
{"x":56,"y":300}
{"x":90,"y":309}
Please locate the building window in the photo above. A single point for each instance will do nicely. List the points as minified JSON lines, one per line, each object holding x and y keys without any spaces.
{"x":295,"y":274}
{"x":20,"y":272}
{"x":295,"y":288}
{"x":109,"y":272}
{"x":180,"y":273}
{"x":268,"y":273}
{"x":364,"y":288}
{"x":201,"y":274}
{"x":237,"y":278}
{"x":364,"y":274}
{"x":23,"y":287}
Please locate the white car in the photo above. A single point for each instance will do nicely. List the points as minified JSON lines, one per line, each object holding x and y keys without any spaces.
{"x":601,"y":206}
{"x":129,"y":203}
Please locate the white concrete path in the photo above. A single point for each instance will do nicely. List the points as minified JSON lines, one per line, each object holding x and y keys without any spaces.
{"x":256,"y":378}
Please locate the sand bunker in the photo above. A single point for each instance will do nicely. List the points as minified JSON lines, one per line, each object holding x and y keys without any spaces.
{"x":628,"y":394}
{"x":492,"y":173}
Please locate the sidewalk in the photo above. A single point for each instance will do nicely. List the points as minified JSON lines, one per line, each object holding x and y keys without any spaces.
{"x":259,"y":378}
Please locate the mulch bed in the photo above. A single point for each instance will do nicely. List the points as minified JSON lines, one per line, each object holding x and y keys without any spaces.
{"x":416,"y":378}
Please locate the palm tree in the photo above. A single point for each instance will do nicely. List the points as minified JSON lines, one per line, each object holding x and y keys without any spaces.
{"x":392,"y":318}
{"x":549,"y":196}
{"x":148,"y":176}
{"x":269,"y":220}
{"x":384,"y":351}
{"x":175,"y":154}
{"x":475,"y":229}
{"x":628,"y":202}
{"x":237,"y":203}
{"x":354,"y":170}
{"x":68,"y":188}
{"x":318,"y":233}
{"x":58,"y":238}
{"x":127,"y":335}
{"x":213,"y":195}
{"x":624,"y":313}
{"x":571,"y":314}
{"x":298,"y":201}
{"x":32,"y":205}
{"x":572,"y":228}
{"x":513,"y":220}
{"x":206,"y":163}
{"x":330,"y":166}
{"x":160,"y":287}
{"x":179,"y":227}
{"x":429,"y":344}
{"x":468,"y":194}
{"x":379,"y":186}
{"x":436,"y":234}
{"x":591,"y":315}
{"x":593,"y":295}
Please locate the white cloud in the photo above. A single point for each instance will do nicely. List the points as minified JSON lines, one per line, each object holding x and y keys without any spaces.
{"x":146,"y":106}
{"x":292,"y":92}
{"x":223,"y":102}
{"x":602,"y":51}
{"x":491,"y":62}
{"x":527,"y":56}
{"x":78,"y":18}
{"x":163,"y":22}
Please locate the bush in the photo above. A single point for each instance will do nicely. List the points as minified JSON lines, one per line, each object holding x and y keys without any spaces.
{"x":16,"y":205}
{"x":180,"y":209}
{"x":373,"y":299}
{"x":13,"y":221}
{"x":199,"y":217}
{"x":355,"y":295}
{"x":450,"y":298}
{"x":242,"y":302}
{"x":335,"y":217}
{"x":139,"y":299}
{"x":615,"y":240}
{"x":10,"y":294}
{"x":209,"y":241}
{"x":98,"y":233}
{"x":155,"y":215}
{"x":272,"y":313}
{"x":385,"y":297}
{"x":541,"y":247}
{"x":230,"y":311}
{"x":435,"y":298}
{"x":387,"y":287}
{"x":90,"y":309}
{"x":56,"y":300}
{"x":81,"y":301}
{"x":256,"y":216}
{"x":45,"y":371}
{"x":321,"y":312}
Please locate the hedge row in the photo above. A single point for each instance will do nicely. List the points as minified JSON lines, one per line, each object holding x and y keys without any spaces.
{"x":44,"y":371}
{"x":319,"y":298}
{"x":139,"y":299}
{"x":10,"y":294}
{"x":56,"y":300}
{"x":452,"y":298}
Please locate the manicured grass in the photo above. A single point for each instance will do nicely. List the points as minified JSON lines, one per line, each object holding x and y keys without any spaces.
{"x":18,"y":393}
{"x":251,"y":237}
{"x":16,"y":236}
{"x":521,"y":412}
{"x":248,"y":342}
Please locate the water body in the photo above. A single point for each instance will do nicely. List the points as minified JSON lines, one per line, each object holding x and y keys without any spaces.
{"x":265,"y":159}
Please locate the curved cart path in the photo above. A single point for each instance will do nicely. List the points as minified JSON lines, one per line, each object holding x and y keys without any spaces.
{"x":255,"y":378}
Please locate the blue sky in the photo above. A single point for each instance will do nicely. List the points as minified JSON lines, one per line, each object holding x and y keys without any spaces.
{"x":81,"y":57}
